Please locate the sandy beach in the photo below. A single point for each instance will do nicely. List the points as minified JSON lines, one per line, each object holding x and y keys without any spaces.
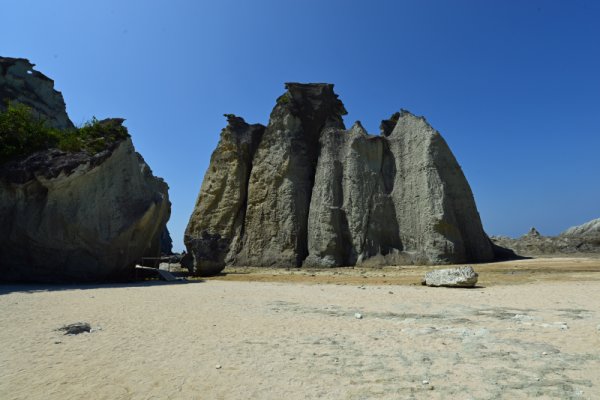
{"x":530,"y":330}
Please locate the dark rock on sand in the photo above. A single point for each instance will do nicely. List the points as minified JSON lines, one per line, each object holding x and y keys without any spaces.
{"x":76,"y":328}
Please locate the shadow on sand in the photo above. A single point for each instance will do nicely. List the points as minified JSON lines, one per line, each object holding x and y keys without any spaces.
{"x":7,"y":288}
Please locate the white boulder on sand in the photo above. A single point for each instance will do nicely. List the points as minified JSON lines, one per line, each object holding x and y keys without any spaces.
{"x":451,"y":277}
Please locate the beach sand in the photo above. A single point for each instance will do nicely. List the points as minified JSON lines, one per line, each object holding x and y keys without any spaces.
{"x":530,"y":330}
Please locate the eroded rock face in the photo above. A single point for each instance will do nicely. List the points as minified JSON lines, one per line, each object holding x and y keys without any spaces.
{"x":396,"y":198}
{"x":75,"y":216}
{"x":352,"y":213}
{"x":436,"y":212}
{"x":283,"y":171}
{"x":92,"y":222}
{"x":213,"y":235}
{"x":319,"y":195}
{"x":20,"y":83}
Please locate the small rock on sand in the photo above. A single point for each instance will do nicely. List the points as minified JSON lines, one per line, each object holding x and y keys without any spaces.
{"x":451,"y":277}
{"x":76,"y":328}
{"x":358,"y":316}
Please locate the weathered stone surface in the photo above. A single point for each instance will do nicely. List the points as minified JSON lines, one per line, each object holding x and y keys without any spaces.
{"x":283,"y":170}
{"x":319,"y":195}
{"x":352,"y":215}
{"x":20,"y":83}
{"x":396,"y":198}
{"x":214,"y":231}
{"x":76,"y":216}
{"x":93,"y":222}
{"x":451,"y":277}
{"x":435,"y":209}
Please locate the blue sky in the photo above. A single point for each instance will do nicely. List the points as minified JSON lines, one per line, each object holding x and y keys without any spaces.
{"x":513,"y":86}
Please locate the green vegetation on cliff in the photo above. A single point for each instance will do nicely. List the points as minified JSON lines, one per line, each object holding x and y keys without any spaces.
{"x":22,"y":133}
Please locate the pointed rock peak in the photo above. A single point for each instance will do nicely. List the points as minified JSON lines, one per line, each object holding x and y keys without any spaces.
{"x":233,"y":121}
{"x":243,"y":130}
{"x":358,"y":128}
{"x":407,"y":122}
{"x":388,"y":125}
{"x":405,"y":114}
{"x":312,"y":97}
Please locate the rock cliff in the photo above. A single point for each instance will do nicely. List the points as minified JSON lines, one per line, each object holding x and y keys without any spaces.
{"x":213,"y":235}
{"x":282,"y":176}
{"x":74,"y":215}
{"x":316,"y":194}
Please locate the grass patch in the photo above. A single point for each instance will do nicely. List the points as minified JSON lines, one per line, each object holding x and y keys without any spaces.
{"x":284,"y":98}
{"x":22,"y":133}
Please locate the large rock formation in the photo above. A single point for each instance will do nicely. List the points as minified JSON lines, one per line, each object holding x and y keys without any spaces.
{"x":74,"y":216}
{"x":315,"y":194}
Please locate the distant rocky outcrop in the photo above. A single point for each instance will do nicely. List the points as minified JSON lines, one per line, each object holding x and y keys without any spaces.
{"x":589,"y":229}
{"x":533,"y":233}
{"x":74,"y":215}
{"x":304,"y":191}
{"x":584,"y":238}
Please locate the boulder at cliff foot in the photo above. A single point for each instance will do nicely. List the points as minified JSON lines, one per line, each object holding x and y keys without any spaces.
{"x":451,"y":277}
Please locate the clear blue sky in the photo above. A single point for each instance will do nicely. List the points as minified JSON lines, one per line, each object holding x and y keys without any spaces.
{"x":513,"y":86}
